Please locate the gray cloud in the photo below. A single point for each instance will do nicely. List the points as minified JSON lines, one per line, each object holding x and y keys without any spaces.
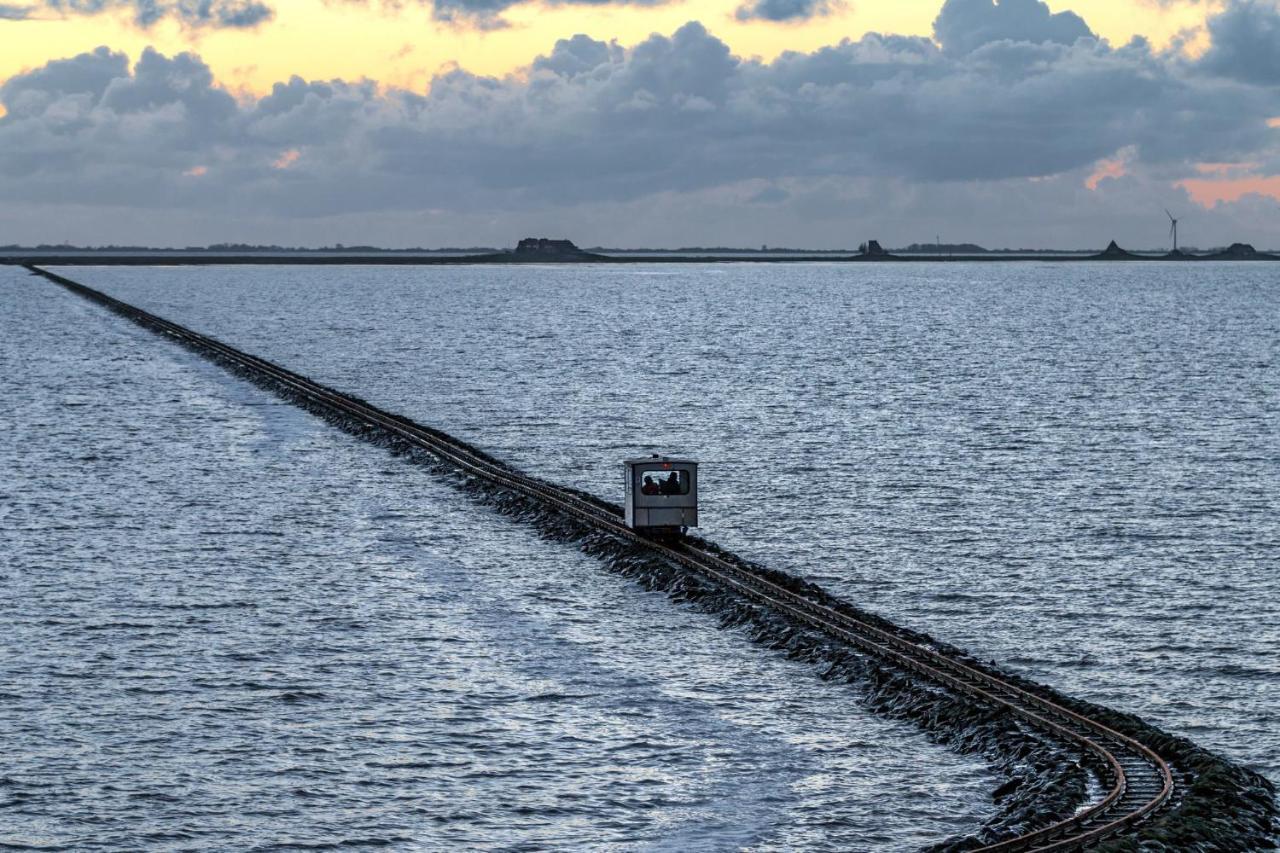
{"x":578,"y":55}
{"x":966,"y":25}
{"x":592,"y":124}
{"x":236,"y":14}
{"x":15,"y":13}
{"x":785,"y":10}
{"x":483,"y":14}
{"x":487,"y":14}
{"x":1245,"y":42}
{"x":83,"y":78}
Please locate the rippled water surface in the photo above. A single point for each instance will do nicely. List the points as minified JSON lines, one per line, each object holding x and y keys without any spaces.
{"x":1070,"y":469}
{"x":227,"y":625}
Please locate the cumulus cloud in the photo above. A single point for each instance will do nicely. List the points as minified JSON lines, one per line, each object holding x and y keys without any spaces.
{"x":591,"y":123}
{"x":1245,"y":42}
{"x":87,"y":74}
{"x":966,"y":25}
{"x":236,"y":14}
{"x":578,"y":55}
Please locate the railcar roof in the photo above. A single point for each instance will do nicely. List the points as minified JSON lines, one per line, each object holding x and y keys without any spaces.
{"x":659,"y":460}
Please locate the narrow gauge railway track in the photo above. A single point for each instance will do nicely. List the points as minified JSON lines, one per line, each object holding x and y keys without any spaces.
{"x":1137,"y":781}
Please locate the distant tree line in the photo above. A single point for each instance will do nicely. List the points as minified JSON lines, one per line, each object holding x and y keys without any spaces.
{"x":943,"y":249}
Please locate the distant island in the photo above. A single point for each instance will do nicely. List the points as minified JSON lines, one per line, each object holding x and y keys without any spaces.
{"x":542,"y":249}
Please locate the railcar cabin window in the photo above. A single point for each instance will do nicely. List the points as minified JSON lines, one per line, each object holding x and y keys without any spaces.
{"x":664,"y":483}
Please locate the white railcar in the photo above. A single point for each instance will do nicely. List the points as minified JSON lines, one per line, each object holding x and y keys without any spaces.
{"x":661,"y":495}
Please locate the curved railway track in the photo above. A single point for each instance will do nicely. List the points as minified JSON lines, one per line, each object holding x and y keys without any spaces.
{"x":1137,"y":782}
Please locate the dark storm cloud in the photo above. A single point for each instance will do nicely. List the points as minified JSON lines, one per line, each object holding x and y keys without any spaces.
{"x":1245,"y":42}
{"x":965,"y":25}
{"x":235,"y":14}
{"x":592,"y":122}
{"x":784,"y":10}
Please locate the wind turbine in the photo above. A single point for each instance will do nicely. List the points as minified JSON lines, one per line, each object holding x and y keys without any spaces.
{"x":1173,"y":229}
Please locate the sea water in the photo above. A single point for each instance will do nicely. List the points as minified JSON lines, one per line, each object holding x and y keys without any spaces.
{"x":229,"y":624}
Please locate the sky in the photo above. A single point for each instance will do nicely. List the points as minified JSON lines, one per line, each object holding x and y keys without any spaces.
{"x":629,"y":123}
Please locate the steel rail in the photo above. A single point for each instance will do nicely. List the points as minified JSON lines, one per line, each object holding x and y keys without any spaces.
{"x":1141,"y":782}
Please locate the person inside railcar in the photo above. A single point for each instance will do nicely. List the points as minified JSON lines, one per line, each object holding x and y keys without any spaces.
{"x":650,"y":487}
{"x":671,"y":486}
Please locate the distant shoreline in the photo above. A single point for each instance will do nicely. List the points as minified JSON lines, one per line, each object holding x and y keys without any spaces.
{"x":395,"y":258}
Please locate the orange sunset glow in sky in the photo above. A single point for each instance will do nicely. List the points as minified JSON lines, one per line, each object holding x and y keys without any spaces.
{"x":755,"y":118}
